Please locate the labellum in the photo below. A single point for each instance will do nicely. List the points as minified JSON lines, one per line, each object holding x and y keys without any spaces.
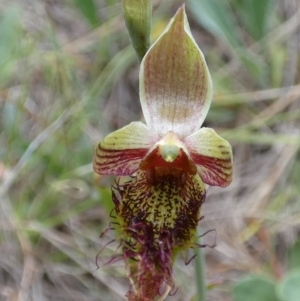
{"x":158,"y":219}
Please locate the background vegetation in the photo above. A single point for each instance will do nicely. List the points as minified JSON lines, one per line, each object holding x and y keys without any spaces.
{"x":68,"y":76}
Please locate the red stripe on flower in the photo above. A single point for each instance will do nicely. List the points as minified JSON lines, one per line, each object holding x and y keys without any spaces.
{"x":213,"y":171}
{"x":117,"y":162}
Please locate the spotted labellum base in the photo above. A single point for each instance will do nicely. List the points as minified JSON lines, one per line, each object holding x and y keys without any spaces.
{"x":158,"y":215}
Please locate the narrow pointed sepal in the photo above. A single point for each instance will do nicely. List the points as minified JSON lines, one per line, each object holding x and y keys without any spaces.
{"x":120,"y":152}
{"x":212,"y":155}
{"x":137,"y":15}
{"x":175,"y":84}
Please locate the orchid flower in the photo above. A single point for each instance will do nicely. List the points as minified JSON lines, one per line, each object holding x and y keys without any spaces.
{"x":170,"y":158}
{"x":175,"y":94}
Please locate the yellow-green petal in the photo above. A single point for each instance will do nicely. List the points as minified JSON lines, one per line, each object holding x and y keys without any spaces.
{"x":175,"y":84}
{"x":212,"y":155}
{"x":120,"y":152}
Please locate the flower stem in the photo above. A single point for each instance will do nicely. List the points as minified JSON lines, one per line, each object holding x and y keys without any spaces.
{"x":200,"y":273}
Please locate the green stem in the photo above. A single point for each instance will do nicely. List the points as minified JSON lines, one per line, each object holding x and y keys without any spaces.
{"x":200,"y":273}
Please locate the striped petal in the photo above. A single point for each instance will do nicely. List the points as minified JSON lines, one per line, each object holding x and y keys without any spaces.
{"x":120,"y":152}
{"x":212,"y":155}
{"x":175,"y":84}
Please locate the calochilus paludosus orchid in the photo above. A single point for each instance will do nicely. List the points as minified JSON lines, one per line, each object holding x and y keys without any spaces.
{"x":170,"y":158}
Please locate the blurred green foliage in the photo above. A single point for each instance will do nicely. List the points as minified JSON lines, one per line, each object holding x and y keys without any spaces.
{"x":261,"y":288}
{"x":255,"y":288}
{"x":224,"y":20}
{"x":89,"y":11}
{"x":10,"y":50}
